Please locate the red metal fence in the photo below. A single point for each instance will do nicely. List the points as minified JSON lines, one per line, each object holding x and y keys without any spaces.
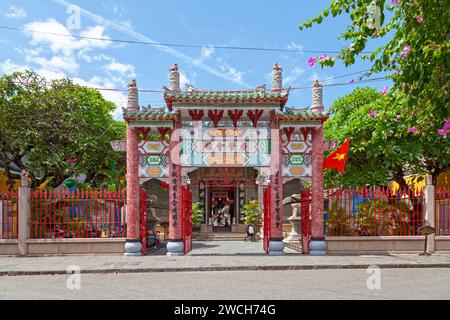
{"x":186,"y":223}
{"x":442,"y":210}
{"x":373,"y":212}
{"x":305,"y":214}
{"x":266,"y":219}
{"x":80,"y":214}
{"x":144,"y":234}
{"x":8,"y":215}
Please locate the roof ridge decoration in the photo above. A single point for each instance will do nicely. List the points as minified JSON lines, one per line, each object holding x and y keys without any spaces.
{"x":202,"y":96}
{"x":294,"y":114}
{"x":148,"y":114}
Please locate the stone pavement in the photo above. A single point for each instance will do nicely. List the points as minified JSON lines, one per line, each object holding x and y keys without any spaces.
{"x":213,"y":256}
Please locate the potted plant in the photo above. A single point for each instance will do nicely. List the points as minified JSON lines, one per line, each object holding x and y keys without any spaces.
{"x":251,"y":214}
{"x":197,"y":218}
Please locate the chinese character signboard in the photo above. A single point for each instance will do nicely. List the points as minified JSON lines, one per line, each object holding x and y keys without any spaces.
{"x":218,"y":147}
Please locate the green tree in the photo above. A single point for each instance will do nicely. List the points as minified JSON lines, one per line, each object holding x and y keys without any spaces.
{"x":350,"y":117}
{"x":416,"y":55}
{"x":383,"y":147}
{"x":55,"y":130}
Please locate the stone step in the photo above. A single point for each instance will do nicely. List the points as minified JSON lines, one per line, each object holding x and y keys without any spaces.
{"x":226,"y":236}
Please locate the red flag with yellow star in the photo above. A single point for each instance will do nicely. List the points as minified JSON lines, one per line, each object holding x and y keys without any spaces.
{"x":337,"y":159}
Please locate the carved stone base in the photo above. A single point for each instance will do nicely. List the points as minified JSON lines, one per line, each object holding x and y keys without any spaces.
{"x":175,"y":248}
{"x":317,"y":248}
{"x":133,"y":248}
{"x":276,"y":248}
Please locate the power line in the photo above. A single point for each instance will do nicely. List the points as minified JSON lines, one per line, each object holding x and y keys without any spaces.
{"x":162,"y":91}
{"x":347,"y":75}
{"x":166,"y":44}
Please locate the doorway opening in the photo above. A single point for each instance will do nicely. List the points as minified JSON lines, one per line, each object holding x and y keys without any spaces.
{"x":221,"y":209}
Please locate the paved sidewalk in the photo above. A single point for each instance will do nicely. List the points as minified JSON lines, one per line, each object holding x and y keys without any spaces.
{"x":213,"y":256}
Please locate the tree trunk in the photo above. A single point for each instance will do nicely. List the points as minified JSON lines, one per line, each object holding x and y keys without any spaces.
{"x":399,"y":177}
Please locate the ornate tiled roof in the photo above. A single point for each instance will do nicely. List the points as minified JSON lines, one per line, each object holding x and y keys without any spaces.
{"x":293,"y":114}
{"x":148,"y":114}
{"x":193,"y":95}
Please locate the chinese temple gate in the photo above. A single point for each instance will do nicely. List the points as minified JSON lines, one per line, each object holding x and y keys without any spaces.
{"x":227,"y":147}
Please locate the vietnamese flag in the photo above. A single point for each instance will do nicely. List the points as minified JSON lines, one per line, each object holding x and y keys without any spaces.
{"x":337,"y":159}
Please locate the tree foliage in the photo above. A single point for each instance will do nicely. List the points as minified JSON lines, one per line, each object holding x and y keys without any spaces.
{"x":382,"y":146}
{"x":55,"y":131}
{"x":411,"y":118}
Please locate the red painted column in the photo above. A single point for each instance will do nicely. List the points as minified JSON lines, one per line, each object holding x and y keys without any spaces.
{"x":175,"y":243}
{"x":317,"y":184}
{"x":276,"y":244}
{"x":133,"y":245}
{"x":317,"y":245}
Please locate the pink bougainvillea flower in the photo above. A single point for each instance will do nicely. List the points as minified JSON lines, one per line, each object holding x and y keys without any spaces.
{"x":372,"y":113}
{"x":311,"y":61}
{"x":406,"y":48}
{"x":443,"y":132}
{"x":375,"y":34}
{"x":447,"y":124}
{"x":352,"y":81}
{"x":398,"y":117}
{"x":323,"y":57}
{"x":394,"y":1}
{"x":71,"y":160}
{"x":385,"y":90}
{"x":412,"y":130}
{"x":419,"y":19}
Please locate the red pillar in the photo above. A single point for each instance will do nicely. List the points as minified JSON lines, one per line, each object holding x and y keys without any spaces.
{"x":175,"y":244}
{"x":276,"y":244}
{"x":133,"y":245}
{"x":317,"y":245}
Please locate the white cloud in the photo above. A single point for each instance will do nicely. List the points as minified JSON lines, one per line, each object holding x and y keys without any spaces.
{"x":234,"y":74}
{"x":206,"y":52}
{"x":123,"y":69}
{"x":62,"y":44}
{"x":177,"y":54}
{"x":294,"y":75}
{"x":50,"y":75}
{"x":8,"y":66}
{"x":127,"y":24}
{"x":16,"y":13}
{"x":231,"y":72}
{"x":184,"y":80}
{"x":295,"y":46}
{"x":56,"y":63}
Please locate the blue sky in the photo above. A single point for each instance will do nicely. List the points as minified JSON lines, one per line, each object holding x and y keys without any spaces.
{"x":268,"y":24}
